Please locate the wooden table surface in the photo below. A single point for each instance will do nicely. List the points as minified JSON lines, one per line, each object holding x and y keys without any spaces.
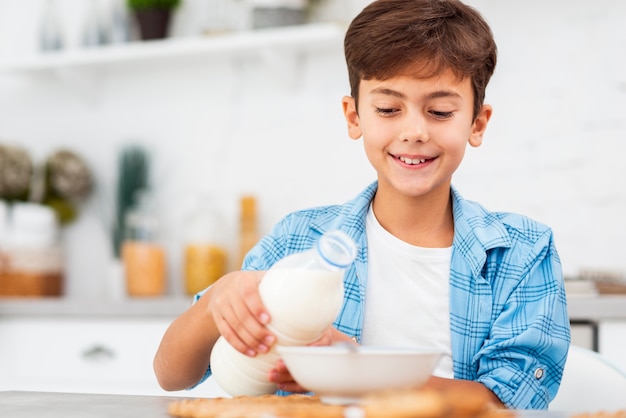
{"x":17,"y":404}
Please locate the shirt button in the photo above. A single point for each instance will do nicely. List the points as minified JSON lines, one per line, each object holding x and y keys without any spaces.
{"x":539,"y":373}
{"x":355,"y":339}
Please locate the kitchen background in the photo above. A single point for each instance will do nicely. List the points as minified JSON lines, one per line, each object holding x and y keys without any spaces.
{"x":227,"y":112}
{"x":268,"y":122}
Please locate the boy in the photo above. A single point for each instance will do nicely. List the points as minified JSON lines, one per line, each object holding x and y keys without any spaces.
{"x":433,"y":269}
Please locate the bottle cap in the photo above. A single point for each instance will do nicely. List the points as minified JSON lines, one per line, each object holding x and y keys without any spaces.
{"x":337,"y":249}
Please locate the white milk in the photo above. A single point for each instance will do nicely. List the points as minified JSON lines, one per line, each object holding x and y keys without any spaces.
{"x":301,"y":303}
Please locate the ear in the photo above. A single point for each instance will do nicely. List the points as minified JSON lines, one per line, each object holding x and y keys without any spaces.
{"x":352,"y":117}
{"x":480,"y":125}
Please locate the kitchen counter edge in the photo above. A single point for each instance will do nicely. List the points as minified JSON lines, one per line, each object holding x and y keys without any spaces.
{"x":580,"y":307}
{"x":166,"y":307}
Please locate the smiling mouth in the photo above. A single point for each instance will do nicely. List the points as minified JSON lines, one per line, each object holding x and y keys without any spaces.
{"x":412,"y":161}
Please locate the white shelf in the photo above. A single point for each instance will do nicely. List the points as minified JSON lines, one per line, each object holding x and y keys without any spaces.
{"x":265,"y":43}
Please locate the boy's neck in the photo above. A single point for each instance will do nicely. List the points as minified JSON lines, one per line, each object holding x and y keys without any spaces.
{"x":423,"y":221}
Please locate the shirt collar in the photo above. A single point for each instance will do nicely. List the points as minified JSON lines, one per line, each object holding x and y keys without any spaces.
{"x":476,"y":230}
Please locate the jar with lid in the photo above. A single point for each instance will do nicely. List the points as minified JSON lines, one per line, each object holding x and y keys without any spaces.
{"x":4,"y":231}
{"x":32,"y":258}
{"x":51,"y":31}
{"x":143,"y":255}
{"x":4,"y":223}
{"x":205,"y":256}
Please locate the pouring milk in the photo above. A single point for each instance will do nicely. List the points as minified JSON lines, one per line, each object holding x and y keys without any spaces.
{"x":303,"y":294}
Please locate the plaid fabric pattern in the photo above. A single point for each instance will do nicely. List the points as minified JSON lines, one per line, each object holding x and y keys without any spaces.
{"x":508,"y":313}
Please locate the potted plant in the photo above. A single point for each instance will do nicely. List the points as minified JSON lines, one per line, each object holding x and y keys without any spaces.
{"x":153,"y":16}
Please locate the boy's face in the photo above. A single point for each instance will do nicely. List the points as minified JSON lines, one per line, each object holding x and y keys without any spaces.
{"x":415,"y":130}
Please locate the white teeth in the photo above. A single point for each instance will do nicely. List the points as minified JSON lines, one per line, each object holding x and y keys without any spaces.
{"x":412,"y":160}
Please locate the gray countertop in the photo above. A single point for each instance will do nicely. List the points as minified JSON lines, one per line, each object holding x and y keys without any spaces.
{"x":591,"y":308}
{"x":70,"y":405}
{"x":581,"y":308}
{"x":74,"y":405}
{"x":64,"y":307}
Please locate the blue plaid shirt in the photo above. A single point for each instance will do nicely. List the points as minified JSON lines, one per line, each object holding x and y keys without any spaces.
{"x":508,"y":313}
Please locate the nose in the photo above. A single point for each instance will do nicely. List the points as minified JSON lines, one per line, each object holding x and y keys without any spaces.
{"x":414,"y":129}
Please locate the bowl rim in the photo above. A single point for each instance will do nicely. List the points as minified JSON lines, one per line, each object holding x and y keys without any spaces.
{"x":358,"y":349}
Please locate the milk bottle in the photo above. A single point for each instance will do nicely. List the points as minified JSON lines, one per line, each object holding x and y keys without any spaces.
{"x":303,"y":294}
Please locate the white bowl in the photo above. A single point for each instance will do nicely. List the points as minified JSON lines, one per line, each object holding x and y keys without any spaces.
{"x":339,"y":374}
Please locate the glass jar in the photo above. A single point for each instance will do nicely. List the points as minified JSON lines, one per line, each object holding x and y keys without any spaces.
{"x":143,"y":256}
{"x":205,"y":256}
{"x":31,"y":258}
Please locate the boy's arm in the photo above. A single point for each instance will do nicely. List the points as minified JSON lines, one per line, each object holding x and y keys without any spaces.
{"x":231,"y":307}
{"x":183,"y":355}
{"x":465,"y":386}
{"x":522,"y":361}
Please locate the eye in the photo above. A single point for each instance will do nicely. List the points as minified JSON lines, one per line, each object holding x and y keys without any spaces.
{"x":441,"y":115}
{"x":384,"y":111}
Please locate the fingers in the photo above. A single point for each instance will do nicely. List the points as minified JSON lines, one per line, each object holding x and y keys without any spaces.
{"x":246,"y":341}
{"x":239,"y":314}
{"x":291,"y":387}
{"x":281,"y":376}
{"x":250,"y":290}
{"x":325,"y":339}
{"x":331,"y":336}
{"x":240,"y":339}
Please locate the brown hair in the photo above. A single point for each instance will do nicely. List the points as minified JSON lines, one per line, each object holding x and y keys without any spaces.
{"x":422,"y":38}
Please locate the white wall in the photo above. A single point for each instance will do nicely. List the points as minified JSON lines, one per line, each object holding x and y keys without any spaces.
{"x":553,"y":150}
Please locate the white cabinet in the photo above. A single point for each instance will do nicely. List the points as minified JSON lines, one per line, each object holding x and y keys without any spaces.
{"x":584,"y":334}
{"x":612,"y":341}
{"x":84,"y":355}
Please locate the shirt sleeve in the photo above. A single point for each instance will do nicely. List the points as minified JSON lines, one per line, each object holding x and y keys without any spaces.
{"x":523,"y":358}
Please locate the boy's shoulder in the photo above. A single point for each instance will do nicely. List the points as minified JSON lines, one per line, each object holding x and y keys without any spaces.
{"x":512,"y":219}
{"x":350,"y":214}
{"x":490,"y":226}
{"x":318,"y":218}
{"x":316,"y":211}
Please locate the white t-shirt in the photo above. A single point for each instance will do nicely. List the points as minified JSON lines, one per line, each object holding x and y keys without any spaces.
{"x":407,"y":297}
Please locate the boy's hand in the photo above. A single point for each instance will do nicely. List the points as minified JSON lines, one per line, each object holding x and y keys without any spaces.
{"x":281,"y":375}
{"x":238,"y":312}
